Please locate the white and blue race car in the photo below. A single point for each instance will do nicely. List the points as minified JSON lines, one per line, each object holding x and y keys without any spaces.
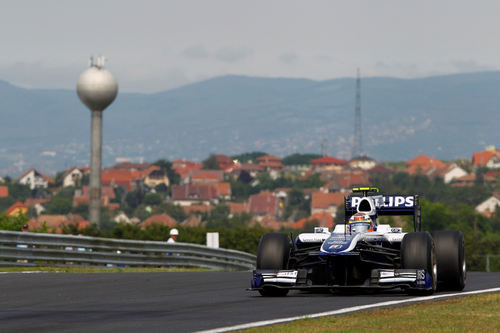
{"x":351,"y":258}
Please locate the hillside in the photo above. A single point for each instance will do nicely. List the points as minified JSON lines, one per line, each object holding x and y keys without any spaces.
{"x":446,"y":116}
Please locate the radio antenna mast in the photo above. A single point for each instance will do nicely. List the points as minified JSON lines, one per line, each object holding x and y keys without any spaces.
{"x":357,"y":147}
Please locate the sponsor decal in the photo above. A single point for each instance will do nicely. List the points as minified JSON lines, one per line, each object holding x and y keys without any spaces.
{"x":390,"y":201}
{"x":313,"y":238}
{"x":335,"y":246}
{"x":288,"y":274}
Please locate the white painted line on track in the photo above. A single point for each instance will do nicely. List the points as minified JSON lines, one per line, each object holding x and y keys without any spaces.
{"x":25,"y":272}
{"x":346,"y":310}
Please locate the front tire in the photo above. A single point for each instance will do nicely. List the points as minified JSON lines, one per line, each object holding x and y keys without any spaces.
{"x":450,"y":254}
{"x":273,"y":253}
{"x":418,"y":252}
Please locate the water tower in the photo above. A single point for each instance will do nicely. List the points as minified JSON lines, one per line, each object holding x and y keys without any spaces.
{"x":97,"y":89}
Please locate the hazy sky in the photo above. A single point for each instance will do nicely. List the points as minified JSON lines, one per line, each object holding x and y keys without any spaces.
{"x":156,"y":45}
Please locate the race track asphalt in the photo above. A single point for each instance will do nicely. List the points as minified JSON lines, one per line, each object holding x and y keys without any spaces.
{"x":161,"y":302}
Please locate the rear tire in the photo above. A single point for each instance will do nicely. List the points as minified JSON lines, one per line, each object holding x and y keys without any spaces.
{"x":417,"y":252}
{"x":273,"y":253}
{"x":450,"y":254}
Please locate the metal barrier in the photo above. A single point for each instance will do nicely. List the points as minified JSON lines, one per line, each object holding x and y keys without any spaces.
{"x":36,"y":249}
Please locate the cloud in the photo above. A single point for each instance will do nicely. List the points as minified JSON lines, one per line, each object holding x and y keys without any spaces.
{"x":469,"y":66}
{"x":226,"y":54}
{"x":399,"y":69}
{"x":139,"y":79}
{"x":41,"y":75}
{"x":195,"y":52}
{"x":232,"y":54}
{"x":288,"y":58}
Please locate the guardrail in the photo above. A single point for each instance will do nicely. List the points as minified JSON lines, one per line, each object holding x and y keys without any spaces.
{"x":36,"y":249}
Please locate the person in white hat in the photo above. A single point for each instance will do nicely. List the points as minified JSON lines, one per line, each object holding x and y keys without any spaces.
{"x":173,"y":235}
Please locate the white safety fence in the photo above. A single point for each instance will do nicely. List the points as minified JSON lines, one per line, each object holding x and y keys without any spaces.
{"x":36,"y":249}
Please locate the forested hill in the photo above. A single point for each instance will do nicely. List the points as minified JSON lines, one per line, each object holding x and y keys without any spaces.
{"x":444,"y":116}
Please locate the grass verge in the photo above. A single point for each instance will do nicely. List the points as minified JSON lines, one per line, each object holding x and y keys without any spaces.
{"x":478,"y":313}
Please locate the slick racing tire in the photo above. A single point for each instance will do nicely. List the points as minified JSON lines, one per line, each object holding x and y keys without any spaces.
{"x":273,"y":253}
{"x":417,"y":252}
{"x":450,"y":254}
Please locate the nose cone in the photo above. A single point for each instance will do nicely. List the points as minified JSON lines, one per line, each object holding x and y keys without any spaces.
{"x":337,"y":243}
{"x":97,"y":88}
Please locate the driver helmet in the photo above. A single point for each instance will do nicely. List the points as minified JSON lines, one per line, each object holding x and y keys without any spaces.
{"x":361,"y":222}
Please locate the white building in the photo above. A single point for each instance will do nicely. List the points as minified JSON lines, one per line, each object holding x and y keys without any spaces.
{"x":453,"y":171}
{"x":34,"y":179}
{"x":122,"y":217}
{"x":72,"y":177}
{"x":362,"y":162}
{"x":489,"y":206}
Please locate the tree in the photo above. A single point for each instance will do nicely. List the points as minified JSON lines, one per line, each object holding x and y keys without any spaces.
{"x":153,"y":199}
{"x":248,"y":157}
{"x":211,"y":163}
{"x":82,"y":210}
{"x":12,"y":223}
{"x":313,"y":181}
{"x":59,"y":205}
{"x":18,"y":192}
{"x":166,"y":166}
{"x":173,"y":210}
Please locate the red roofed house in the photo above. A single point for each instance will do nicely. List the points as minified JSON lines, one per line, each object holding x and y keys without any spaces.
{"x":270,"y":162}
{"x":17,"y":209}
{"x":224,"y":161}
{"x":327,"y":163}
{"x":126,"y":179}
{"x":34,"y":179}
{"x":223,"y":190}
{"x":212,"y":178}
{"x":206,"y":176}
{"x":270,"y":222}
{"x":193,"y":209}
{"x":183,"y":167}
{"x":251,"y":168}
{"x":237,"y":208}
{"x":379,"y":168}
{"x":83,"y":196}
{"x":322,"y":219}
{"x":490,"y":158}
{"x":180,"y":163}
{"x":4,"y":191}
{"x":264,"y":204}
{"x":327,"y":202}
{"x":467,"y":180}
{"x":424,"y":164}
{"x":131,"y":166}
{"x":58,"y":222}
{"x":191,"y":194}
{"x":162,"y":219}
{"x":344,"y":180}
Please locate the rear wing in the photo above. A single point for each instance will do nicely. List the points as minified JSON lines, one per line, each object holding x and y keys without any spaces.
{"x":395,"y":205}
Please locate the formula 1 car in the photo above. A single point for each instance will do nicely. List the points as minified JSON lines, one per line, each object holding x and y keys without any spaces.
{"x":362,"y":254}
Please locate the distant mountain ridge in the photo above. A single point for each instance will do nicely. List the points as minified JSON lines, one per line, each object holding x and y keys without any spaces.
{"x":444,"y":116}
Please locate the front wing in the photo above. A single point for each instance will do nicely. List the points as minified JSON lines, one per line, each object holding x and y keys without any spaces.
{"x":418,"y":279}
